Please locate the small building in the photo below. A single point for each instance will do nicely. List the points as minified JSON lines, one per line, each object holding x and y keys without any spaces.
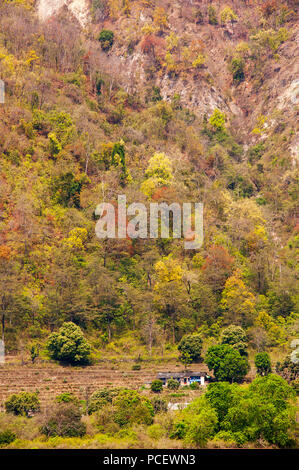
{"x":184,"y":378}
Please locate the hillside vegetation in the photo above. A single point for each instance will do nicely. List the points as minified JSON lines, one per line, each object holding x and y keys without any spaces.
{"x":163,"y":101}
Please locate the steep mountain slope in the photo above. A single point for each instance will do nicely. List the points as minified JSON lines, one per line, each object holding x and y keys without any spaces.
{"x":162,"y":101}
{"x":274,"y":87}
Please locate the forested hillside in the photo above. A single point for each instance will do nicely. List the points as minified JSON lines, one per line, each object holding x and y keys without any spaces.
{"x":163,"y":101}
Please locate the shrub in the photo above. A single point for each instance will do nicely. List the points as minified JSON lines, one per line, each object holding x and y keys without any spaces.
{"x":212,"y":15}
{"x":67,"y":398}
{"x":159,"y":405}
{"x":23,"y":404}
{"x":160,"y":18}
{"x":173,"y":384}
{"x":65,"y":421}
{"x":199,"y":61}
{"x":54,"y":144}
{"x":237,"y":66}
{"x":151,"y":44}
{"x":262,"y":363}
{"x":6,"y":437}
{"x":217,"y":120}
{"x":194,"y":386}
{"x":156,"y":431}
{"x":69,"y":345}
{"x":34,"y":353}
{"x":136,"y":367}
{"x":270,"y":39}
{"x":227,"y":14}
{"x":295,"y":385}
{"x":198,"y":16}
{"x":156,"y":386}
{"x":159,"y":170}
{"x":156,"y":94}
{"x":106,"y":39}
{"x":288,"y":369}
{"x":99,"y":399}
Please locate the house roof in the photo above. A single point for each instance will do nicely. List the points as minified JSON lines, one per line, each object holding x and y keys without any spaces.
{"x":180,"y":375}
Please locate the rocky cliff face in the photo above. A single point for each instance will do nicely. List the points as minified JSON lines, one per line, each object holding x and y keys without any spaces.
{"x":78,"y":8}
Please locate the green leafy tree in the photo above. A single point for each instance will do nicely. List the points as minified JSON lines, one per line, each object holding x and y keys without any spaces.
{"x":23,"y":403}
{"x":273,"y":388}
{"x":67,"y":187}
{"x":106,"y":39}
{"x":130,"y":407}
{"x":69,"y":345}
{"x":186,"y":359}
{"x":100,"y":399}
{"x":201,"y":427}
{"x":221,"y":396}
{"x":236,"y":337}
{"x":264,"y":411}
{"x":226,"y":363}
{"x":190,"y":348}
{"x":196,"y":423}
{"x":262,"y":363}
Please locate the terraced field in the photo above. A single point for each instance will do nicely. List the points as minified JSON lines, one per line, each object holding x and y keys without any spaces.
{"x":51,"y":380}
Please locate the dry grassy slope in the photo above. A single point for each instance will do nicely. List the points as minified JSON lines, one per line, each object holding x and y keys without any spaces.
{"x":51,"y":380}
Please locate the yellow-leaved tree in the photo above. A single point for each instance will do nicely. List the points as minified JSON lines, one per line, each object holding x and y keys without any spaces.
{"x":275,"y":328}
{"x":76,"y":239}
{"x":237,"y":303}
{"x":170,"y":297}
{"x":158,"y":174}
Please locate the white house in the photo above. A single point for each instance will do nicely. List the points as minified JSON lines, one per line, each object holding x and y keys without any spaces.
{"x":184,"y":378}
